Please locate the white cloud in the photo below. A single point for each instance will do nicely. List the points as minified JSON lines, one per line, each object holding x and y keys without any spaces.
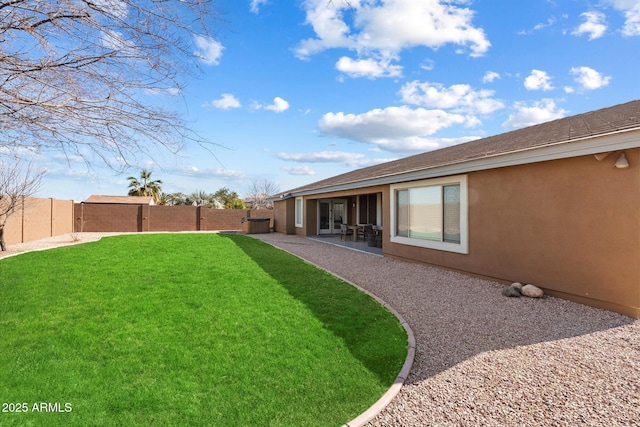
{"x":393,"y":129}
{"x":388,"y":27}
{"x":540,"y":112}
{"x":255,"y":5}
{"x":321,"y":157}
{"x":541,"y":25}
{"x":352,"y":160}
{"x":116,"y":41}
{"x":490,"y":76}
{"x":226,"y":102}
{"x":428,"y":65}
{"x":279,"y":105}
{"x":631,"y":11}
{"x":538,"y":27}
{"x":460,"y":97}
{"x":196,"y":172}
{"x":594,"y":25}
{"x":538,"y":80}
{"x":589,"y":78}
{"x":370,"y":68}
{"x":118,"y":8}
{"x":298,"y":170}
{"x":208,"y":51}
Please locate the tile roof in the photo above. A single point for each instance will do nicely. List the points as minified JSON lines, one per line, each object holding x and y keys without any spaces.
{"x":562,"y":131}
{"x":128,"y":200}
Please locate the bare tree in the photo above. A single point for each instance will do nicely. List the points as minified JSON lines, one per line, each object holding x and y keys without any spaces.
{"x":85,"y":77}
{"x":259,"y":191}
{"x":17,"y":183}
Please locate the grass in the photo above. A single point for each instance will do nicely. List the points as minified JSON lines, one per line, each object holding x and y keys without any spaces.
{"x":187,"y":330}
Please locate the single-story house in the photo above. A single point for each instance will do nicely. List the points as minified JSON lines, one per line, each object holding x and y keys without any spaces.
{"x":555,"y":204}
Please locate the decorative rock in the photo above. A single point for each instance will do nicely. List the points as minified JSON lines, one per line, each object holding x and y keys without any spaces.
{"x":511,"y":291}
{"x":517,"y":285}
{"x":532,"y":291}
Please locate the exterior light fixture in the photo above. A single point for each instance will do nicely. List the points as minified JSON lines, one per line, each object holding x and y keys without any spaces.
{"x":622,"y":162}
{"x":601,"y":156}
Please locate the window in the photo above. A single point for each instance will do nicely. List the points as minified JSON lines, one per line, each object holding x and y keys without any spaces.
{"x":298,"y":218}
{"x":431,"y":214}
{"x":368,"y":208}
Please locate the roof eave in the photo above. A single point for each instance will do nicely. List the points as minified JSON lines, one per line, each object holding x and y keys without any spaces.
{"x":614,"y":141}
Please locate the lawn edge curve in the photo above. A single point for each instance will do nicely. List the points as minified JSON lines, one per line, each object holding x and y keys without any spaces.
{"x":393,"y":391}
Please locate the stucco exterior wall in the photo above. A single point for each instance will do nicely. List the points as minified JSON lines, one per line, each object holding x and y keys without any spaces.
{"x":284,"y":216}
{"x":569,"y":226}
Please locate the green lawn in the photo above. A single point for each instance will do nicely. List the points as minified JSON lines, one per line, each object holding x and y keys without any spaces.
{"x":184,"y":330}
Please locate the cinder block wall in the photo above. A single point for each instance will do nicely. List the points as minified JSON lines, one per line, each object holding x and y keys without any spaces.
{"x":38,"y":218}
{"x":103,"y":217}
{"x":89,"y":217}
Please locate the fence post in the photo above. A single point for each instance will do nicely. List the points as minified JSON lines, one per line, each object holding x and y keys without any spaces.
{"x":22,"y":222}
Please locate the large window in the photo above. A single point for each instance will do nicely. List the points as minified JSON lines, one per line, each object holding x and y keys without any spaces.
{"x":431,"y":214}
{"x":298,"y":219}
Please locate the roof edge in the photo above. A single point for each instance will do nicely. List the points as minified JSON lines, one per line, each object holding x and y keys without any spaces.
{"x":593,"y":144}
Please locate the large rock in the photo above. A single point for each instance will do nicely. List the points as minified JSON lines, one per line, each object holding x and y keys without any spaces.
{"x":532,"y":291}
{"x":517,"y":285}
{"x":511,"y":292}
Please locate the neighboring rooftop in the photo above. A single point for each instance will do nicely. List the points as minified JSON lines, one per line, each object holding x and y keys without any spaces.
{"x":124,"y":200}
{"x":562,"y":131}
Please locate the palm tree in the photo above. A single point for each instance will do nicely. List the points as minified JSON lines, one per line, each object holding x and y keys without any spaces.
{"x":202,"y":198}
{"x":146,"y":187}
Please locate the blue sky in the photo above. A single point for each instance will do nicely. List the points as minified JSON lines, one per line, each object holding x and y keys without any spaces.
{"x":298,"y":91}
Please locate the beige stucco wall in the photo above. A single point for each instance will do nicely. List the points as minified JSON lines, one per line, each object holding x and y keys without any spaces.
{"x":569,"y":226}
{"x":284,"y":216}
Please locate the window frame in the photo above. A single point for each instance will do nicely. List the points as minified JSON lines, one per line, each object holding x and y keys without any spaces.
{"x":463,"y":246}
{"x":298,"y":217}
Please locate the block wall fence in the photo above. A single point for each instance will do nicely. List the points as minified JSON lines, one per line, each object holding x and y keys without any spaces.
{"x":39,"y":218}
{"x":103,"y":217}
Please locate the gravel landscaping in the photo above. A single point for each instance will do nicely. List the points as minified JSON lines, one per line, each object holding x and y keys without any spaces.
{"x":483,"y":358}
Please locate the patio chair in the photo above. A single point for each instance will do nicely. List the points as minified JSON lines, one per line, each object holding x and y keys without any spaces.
{"x":364,"y":231}
{"x":344,"y":231}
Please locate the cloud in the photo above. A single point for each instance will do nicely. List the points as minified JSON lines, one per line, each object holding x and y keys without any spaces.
{"x":388,"y":27}
{"x":589,"y":79}
{"x":594,"y":25}
{"x":352,"y":160}
{"x":226,"y":102}
{"x":539,"y":26}
{"x":118,"y":8}
{"x":298,"y":170}
{"x":370,"y":68}
{"x":395,"y":129}
{"x":207,"y":173}
{"x":490,"y":76}
{"x":538,"y":80}
{"x":255,"y":5}
{"x":208,"y":51}
{"x":279,"y":105}
{"x":541,"y":111}
{"x":462,"y":98}
{"x":321,"y":157}
{"x":631,"y":11}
